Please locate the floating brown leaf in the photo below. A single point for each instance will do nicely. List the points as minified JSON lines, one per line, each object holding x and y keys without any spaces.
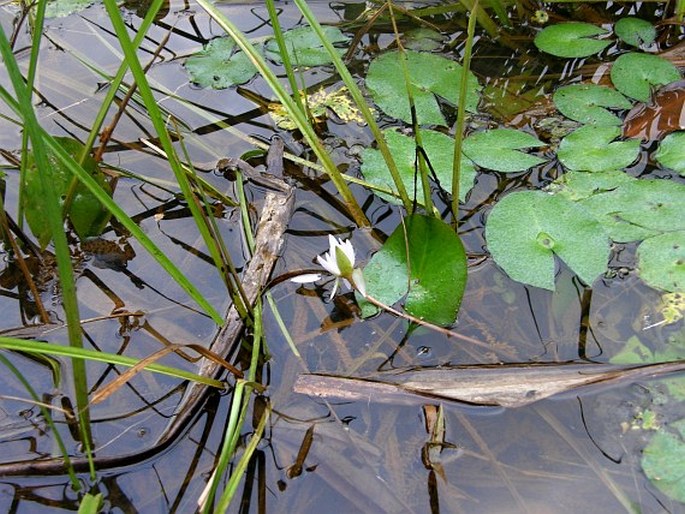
{"x":665,"y":113}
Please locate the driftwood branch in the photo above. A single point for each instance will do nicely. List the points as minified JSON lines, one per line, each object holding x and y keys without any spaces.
{"x":502,"y":386}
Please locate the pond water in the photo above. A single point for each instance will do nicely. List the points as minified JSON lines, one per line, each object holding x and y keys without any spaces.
{"x":578,"y":452}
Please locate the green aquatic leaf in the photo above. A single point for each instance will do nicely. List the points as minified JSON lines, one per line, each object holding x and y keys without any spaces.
{"x":305,"y":47}
{"x":639,"y":209}
{"x":587,"y":103}
{"x":579,"y":185}
{"x":63,"y":8}
{"x":87,"y":215}
{"x":435,"y":284}
{"x":671,"y":152}
{"x":439,"y":148}
{"x":431,"y":76}
{"x":572,"y":39}
{"x":662,"y":261}
{"x":498,"y":150}
{"x":636,"y":75}
{"x":526,"y":229}
{"x":220,"y":65}
{"x":635,"y":31}
{"x":663,"y":460}
{"x":423,"y":39}
{"x":590,"y":148}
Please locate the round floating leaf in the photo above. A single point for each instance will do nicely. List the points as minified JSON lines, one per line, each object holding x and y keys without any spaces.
{"x":438,"y":147}
{"x":663,"y":460}
{"x":86,"y":214}
{"x":219,"y":66}
{"x":662,"y":261}
{"x":305,"y":47}
{"x":635,"y":75}
{"x":62,"y":8}
{"x":635,"y":31}
{"x":429,"y":75}
{"x":579,"y":185}
{"x":526,"y":229}
{"x":571,"y":39}
{"x":671,"y":152}
{"x":639,"y":209}
{"x":437,"y":279}
{"x":498,"y":150}
{"x":423,"y":39}
{"x":586,"y":103}
{"x":590,"y":148}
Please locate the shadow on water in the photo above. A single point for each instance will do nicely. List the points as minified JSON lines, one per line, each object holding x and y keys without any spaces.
{"x":572,"y":454}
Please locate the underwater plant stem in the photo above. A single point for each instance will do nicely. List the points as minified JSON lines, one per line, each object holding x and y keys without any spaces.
{"x":461,"y":115}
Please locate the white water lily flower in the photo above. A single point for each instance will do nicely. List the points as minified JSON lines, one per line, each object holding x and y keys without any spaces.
{"x":339,"y":261}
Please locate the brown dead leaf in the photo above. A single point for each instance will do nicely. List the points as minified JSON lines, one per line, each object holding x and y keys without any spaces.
{"x":665,"y":113}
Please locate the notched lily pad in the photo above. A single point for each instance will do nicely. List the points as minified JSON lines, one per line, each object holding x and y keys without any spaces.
{"x":663,"y":460}
{"x":438,"y":147}
{"x":305,"y":47}
{"x":590,"y":148}
{"x":579,"y":185}
{"x":587,"y":103}
{"x":220,"y":65}
{"x":635,"y":74}
{"x":498,"y":150}
{"x":435,"y":283}
{"x":526,"y":229}
{"x":431,"y":77}
{"x":662,"y":261}
{"x":572,"y":39}
{"x":635,"y":31}
{"x":671,"y":152}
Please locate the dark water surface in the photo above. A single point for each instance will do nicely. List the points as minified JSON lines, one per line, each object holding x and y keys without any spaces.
{"x":573,"y":454}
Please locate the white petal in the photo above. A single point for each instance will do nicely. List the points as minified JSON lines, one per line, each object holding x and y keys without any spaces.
{"x":335,"y":289}
{"x":359,"y":281}
{"x":306,"y":278}
{"x":328,"y":263}
{"x":348,"y":250}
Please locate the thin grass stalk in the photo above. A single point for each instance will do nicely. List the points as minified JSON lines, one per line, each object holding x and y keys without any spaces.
{"x":59,"y":238}
{"x":419,"y":157}
{"x":461,"y":116}
{"x":82,"y":354}
{"x":285,"y":56}
{"x":359,"y":99}
{"x":291,"y":107}
{"x":680,"y":10}
{"x":47,"y":416}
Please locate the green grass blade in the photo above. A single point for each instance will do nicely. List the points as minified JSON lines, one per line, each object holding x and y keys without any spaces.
{"x":82,"y":354}
{"x":359,"y":99}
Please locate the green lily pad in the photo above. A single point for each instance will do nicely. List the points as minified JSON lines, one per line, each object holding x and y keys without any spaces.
{"x":636,"y":75}
{"x":663,"y":460}
{"x":86,"y":214}
{"x":430,"y":76}
{"x":573,"y":39}
{"x":439,"y":148}
{"x":423,"y":39}
{"x":63,"y":8}
{"x":662,"y":261}
{"x":305,"y":47}
{"x":436,"y":281}
{"x":526,"y":229}
{"x":586,"y":103}
{"x":579,"y":185}
{"x":498,"y":150}
{"x":639,"y":209}
{"x":671,"y":152}
{"x":219,"y":65}
{"x":590,"y":148}
{"x":635,"y":31}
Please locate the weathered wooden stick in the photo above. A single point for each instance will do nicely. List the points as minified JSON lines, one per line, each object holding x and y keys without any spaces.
{"x":507,"y":385}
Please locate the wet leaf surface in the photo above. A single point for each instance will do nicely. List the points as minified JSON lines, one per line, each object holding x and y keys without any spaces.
{"x":587,"y":103}
{"x":592,"y":148}
{"x":431,"y":76}
{"x":305,"y":47}
{"x":635,"y":74}
{"x":662,"y":261}
{"x":498,"y":150}
{"x":635,"y":31}
{"x":671,"y":152}
{"x":220,"y":65}
{"x":526,"y":229}
{"x":572,"y":39}
{"x":663,"y":460}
